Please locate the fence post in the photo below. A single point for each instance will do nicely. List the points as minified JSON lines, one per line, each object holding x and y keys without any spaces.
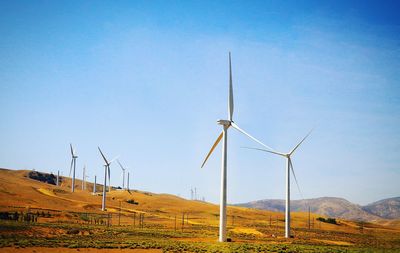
{"x":183,"y":220}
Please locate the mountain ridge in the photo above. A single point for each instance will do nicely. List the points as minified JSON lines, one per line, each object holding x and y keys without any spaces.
{"x":334,"y":207}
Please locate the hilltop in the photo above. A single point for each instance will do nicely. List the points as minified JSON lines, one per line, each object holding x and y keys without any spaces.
{"x":335,"y":207}
{"x":385,"y":208}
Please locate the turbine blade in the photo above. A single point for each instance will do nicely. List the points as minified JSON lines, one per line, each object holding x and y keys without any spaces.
{"x":212,"y":148}
{"x":70,"y":169}
{"x":230,"y":103}
{"x":115,"y":158}
{"x":295,"y":179}
{"x":305,"y":137}
{"x":269,"y":151}
{"x":120,"y":165}
{"x":72,"y":150}
{"x":248,"y":135}
{"x":103,"y":155}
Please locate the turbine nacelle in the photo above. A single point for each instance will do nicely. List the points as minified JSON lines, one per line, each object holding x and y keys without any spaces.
{"x":224,"y":122}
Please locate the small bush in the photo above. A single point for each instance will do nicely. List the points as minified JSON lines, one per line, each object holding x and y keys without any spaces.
{"x":132,"y":201}
{"x":328,"y":220}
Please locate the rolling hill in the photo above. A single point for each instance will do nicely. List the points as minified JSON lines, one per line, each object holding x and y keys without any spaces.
{"x":27,"y":191}
{"x":335,"y":207}
{"x":385,"y":208}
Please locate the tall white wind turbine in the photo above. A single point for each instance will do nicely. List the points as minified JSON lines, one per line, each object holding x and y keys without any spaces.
{"x":289,"y":167}
{"x":224,"y":135}
{"x":123,"y":174}
{"x":83,"y":177}
{"x":106,"y":173}
{"x":73,"y":166}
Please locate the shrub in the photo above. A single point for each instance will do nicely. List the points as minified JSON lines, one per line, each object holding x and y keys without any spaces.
{"x":328,"y":220}
{"x":132,"y":201}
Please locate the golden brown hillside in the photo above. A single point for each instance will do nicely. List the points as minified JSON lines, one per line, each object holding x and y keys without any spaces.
{"x":19,"y":192}
{"x":162,"y":221}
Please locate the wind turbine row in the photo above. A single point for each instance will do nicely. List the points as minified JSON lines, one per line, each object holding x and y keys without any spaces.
{"x":226,"y":124}
{"x":107,"y":174}
{"x":123,"y":177}
{"x":73,"y":170}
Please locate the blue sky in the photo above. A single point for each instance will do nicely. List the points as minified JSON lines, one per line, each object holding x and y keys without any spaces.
{"x":147,"y":80}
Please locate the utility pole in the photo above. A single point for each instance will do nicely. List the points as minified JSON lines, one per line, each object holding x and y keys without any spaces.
{"x":270,"y":220}
{"x":134,"y":219}
{"x":119,"y":214}
{"x":175,"y":222}
{"x":183,"y":220}
{"x":309,"y":220}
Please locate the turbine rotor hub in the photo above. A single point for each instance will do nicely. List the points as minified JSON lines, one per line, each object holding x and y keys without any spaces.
{"x":224,"y":122}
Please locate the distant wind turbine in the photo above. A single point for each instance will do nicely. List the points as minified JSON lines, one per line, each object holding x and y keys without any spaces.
{"x":106,"y":173}
{"x":94,"y":185}
{"x":127,"y":182}
{"x":73,"y":164}
{"x":289,"y":166}
{"x":84,"y":177}
{"x":224,"y":135}
{"x":123,"y":174}
{"x":58,"y":178}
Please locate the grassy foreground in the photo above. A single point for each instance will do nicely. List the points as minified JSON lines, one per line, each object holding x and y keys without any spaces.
{"x":195,"y":239}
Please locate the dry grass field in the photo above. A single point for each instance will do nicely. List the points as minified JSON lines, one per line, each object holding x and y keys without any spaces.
{"x":138,"y":221}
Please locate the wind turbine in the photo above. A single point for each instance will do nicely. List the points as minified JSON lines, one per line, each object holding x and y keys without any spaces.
{"x":289,"y":167}
{"x":58,"y":178}
{"x":73,"y":164}
{"x":123,"y":174}
{"x":224,"y":135}
{"x":83,"y":177}
{"x":94,"y":185}
{"x":106,"y":169}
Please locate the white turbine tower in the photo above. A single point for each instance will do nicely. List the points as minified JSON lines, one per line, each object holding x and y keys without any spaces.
{"x":289,"y":166}
{"x":224,"y":134}
{"x":94,"y":185}
{"x":73,"y":165}
{"x":123,"y":174}
{"x":106,"y":173}
{"x":83,"y":177}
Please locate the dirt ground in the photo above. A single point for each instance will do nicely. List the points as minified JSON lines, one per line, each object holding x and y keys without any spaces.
{"x":83,"y":250}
